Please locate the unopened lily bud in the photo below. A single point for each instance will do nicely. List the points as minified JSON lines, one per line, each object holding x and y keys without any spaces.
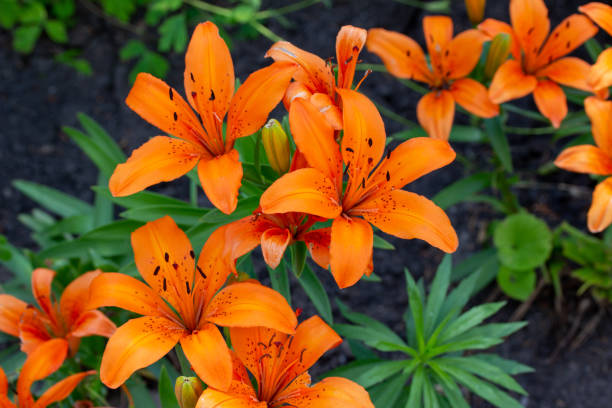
{"x":187,"y":390}
{"x":276,"y":145}
{"x":475,"y":10}
{"x":498,"y":53}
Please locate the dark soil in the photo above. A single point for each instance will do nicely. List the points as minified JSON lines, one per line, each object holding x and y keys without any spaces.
{"x":39,"y":96}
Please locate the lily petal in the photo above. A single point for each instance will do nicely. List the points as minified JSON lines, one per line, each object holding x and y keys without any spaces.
{"x":551,"y":101}
{"x":61,"y":390}
{"x":212,"y":398}
{"x":313,"y":71}
{"x":165,"y":260}
{"x":411,"y":160}
{"x":600,"y":13}
{"x":326,"y":106}
{"x":435,"y":112}
{"x":600,"y":113}
{"x":313,"y":338}
{"x":491,"y":27}
{"x":121,"y":290}
{"x":571,"y":33}
{"x":510,"y":82}
{"x":463,"y":53}
{"x":93,"y":323}
{"x":209,"y":356}
{"x":209,"y":78}
{"x":161,"y":158}
{"x":408,"y":215}
{"x":221,"y":178}
{"x":314,"y":136}
{"x":3,"y":383}
{"x":318,"y":242}
{"x":330,"y":392}
{"x":600,"y":76}
{"x":403,"y":57}
{"x":11,"y":310}
{"x":41,"y":288}
{"x":438,"y":33}
{"x":363,"y":143}
{"x":350,"y":250}
{"x":349,"y":43}
{"x":33,"y":329}
{"x":41,"y":363}
{"x":585,"y":159}
{"x":256,"y":98}
{"x":600,"y":213}
{"x":569,"y":71}
{"x":304,"y":190}
{"x":157,"y":103}
{"x":274,"y":242}
{"x":138,"y":343}
{"x":531,"y":25}
{"x":248,"y":304}
{"x":75,"y":298}
{"x":474,"y":97}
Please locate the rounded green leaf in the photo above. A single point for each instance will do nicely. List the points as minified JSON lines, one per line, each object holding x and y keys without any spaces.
{"x":56,"y":30}
{"x":523,"y":241}
{"x":516,"y":284}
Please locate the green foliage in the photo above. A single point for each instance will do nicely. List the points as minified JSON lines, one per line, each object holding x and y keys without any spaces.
{"x":441,"y":347}
{"x":523,"y":241}
{"x":146,"y":60}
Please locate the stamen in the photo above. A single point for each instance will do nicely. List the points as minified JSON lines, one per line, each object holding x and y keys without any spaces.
{"x":365,"y":75}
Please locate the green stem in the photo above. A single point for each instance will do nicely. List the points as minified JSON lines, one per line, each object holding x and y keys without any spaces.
{"x":211,"y":8}
{"x":285,"y":10}
{"x":371,"y":67}
{"x":414,"y":86}
{"x":265,"y":31}
{"x":193,"y":193}
{"x":525,"y":112}
{"x":530,"y":131}
{"x":508,"y":198}
{"x":395,"y":116}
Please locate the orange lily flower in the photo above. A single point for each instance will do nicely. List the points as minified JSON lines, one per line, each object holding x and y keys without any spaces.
{"x":595,"y":160}
{"x":279,"y":364}
{"x":275,"y":232}
{"x":539,"y":63}
{"x":452,"y":59}
{"x":209,"y":85}
{"x":41,"y":363}
{"x":600,"y":77}
{"x":181,"y":302}
{"x":315,"y":80}
{"x":373,"y":190}
{"x":68,"y":320}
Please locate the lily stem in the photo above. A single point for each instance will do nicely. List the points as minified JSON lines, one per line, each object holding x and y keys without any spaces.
{"x":211,"y":8}
{"x":285,"y":10}
{"x":265,"y":31}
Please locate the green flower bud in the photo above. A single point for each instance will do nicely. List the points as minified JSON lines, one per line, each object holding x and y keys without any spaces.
{"x":475,"y":10}
{"x":187,"y":390}
{"x":498,"y":53}
{"x":276,"y":145}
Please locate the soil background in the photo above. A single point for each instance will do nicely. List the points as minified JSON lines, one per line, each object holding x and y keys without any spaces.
{"x":38,"y":96}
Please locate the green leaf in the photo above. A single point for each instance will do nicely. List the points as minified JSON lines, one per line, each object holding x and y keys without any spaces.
{"x":523,"y":241}
{"x":462,"y":189}
{"x":132,"y":49}
{"x":33,"y":13}
{"x":316,"y":292}
{"x":142,"y":199}
{"x":173,"y":34}
{"x":385,"y":394}
{"x":10,"y":13}
{"x":469,"y":319}
{"x":152,"y":63}
{"x":516,"y":284}
{"x":166,"y":390}
{"x":499,"y":142}
{"x":368,"y":372}
{"x":485,"y":370}
{"x":24,"y":38}
{"x":299,"y":253}
{"x":103,"y":162}
{"x":63,"y":9}
{"x":508,"y":366}
{"x":466,"y":134}
{"x":437,"y":294}
{"x":484,"y":390}
{"x":69,"y":58}
{"x":56,"y":30}
{"x":416,"y":309}
{"x":381,"y":243}
{"x":141,"y":395}
{"x":459,"y":297}
{"x":16,"y":262}
{"x":101,"y":138}
{"x":245,"y":207}
{"x":181,"y":214}
{"x":122,"y":9}
{"x":103,"y":205}
{"x":416,"y":388}
{"x":279,"y":279}
{"x":52,"y":199}
{"x":75,"y":224}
